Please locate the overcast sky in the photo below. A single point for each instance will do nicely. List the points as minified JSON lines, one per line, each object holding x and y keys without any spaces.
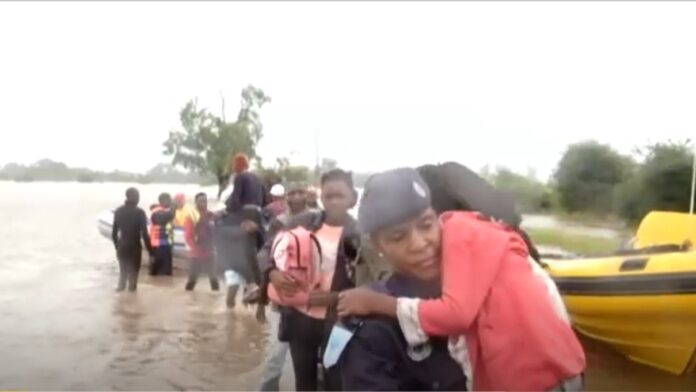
{"x":101,"y":84}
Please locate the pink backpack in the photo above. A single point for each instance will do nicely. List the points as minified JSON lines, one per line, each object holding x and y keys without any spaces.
{"x":297,"y":253}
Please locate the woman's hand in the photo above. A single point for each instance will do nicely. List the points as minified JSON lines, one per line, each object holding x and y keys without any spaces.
{"x":364,"y":302}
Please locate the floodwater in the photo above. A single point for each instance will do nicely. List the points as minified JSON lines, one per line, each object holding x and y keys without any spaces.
{"x":62,"y":327}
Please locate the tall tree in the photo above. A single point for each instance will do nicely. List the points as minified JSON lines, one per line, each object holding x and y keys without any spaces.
{"x":530,"y":194}
{"x":587,"y":175}
{"x":207,"y":142}
{"x":662,"y":182}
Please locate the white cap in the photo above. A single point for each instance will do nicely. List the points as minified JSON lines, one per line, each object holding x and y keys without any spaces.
{"x":278,"y":190}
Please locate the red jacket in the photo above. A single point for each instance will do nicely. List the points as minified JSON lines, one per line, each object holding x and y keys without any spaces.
{"x":199,"y":235}
{"x":516,"y":340}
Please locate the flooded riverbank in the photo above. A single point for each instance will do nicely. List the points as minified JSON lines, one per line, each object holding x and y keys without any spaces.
{"x":64,"y":328}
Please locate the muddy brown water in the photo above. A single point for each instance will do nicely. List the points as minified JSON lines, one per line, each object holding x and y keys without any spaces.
{"x":62,"y":327}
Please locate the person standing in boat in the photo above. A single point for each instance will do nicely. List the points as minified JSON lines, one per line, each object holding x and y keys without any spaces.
{"x":162,"y":236}
{"x":198,"y":231}
{"x":129,"y":227}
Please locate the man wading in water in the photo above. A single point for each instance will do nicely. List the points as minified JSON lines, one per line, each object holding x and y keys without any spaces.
{"x":199,"y":237}
{"x":129,"y":227}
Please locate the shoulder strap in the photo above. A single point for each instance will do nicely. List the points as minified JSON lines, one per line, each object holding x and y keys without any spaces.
{"x":316,"y":242}
{"x":297,"y":247}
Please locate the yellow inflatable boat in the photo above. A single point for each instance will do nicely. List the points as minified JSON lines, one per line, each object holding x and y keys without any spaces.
{"x":641,"y":300}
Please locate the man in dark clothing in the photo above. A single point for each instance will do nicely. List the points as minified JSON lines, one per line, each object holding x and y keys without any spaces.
{"x":129,"y":227}
{"x":162,"y":236}
{"x":378,"y":358}
{"x":248,"y":187}
{"x":199,"y":238}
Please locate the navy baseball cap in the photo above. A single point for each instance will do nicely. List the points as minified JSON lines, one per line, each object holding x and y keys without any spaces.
{"x":391,"y":198}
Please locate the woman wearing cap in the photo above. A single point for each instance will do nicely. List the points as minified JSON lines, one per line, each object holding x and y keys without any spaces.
{"x":472,"y":282}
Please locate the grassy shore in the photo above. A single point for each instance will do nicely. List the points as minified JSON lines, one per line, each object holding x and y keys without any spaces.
{"x":590,"y":220}
{"x":571,"y":242}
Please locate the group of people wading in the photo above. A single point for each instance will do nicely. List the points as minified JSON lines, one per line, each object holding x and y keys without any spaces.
{"x":429,"y":289}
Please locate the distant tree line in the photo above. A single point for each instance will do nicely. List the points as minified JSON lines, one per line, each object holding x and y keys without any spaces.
{"x":48,"y":170}
{"x":591,"y":178}
{"x":595,"y":179}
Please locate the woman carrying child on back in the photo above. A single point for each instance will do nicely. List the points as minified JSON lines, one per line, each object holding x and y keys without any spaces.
{"x":504,"y":326}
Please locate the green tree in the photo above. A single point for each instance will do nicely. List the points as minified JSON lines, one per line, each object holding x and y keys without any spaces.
{"x":587,"y":176}
{"x":661,"y":182}
{"x":208,"y":142}
{"x":531,"y":195}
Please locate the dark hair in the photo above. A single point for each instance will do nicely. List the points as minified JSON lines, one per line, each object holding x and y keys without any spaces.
{"x":200,"y":194}
{"x":442,"y":198}
{"x":164,"y":197}
{"x":130,"y":192}
{"x":338,"y":175}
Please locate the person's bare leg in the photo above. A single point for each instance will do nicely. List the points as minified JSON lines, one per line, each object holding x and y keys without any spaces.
{"x":233,"y":280}
{"x":232,"y":296}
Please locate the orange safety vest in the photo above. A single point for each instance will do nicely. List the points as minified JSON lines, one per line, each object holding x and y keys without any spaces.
{"x":161,"y":235}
